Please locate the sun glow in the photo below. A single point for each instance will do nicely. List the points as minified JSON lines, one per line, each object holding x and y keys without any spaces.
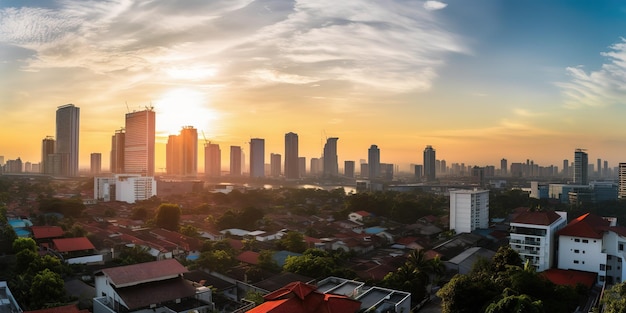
{"x":184,"y":107}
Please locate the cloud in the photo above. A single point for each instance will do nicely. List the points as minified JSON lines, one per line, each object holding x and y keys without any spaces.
{"x":603,"y":87}
{"x":434,"y":5}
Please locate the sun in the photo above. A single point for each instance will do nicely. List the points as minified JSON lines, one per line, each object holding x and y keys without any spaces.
{"x":183,"y":107}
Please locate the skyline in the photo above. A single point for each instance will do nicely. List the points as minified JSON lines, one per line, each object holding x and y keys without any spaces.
{"x":534,"y":80}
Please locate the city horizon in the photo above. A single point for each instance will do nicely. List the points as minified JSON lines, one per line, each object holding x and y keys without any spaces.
{"x":478,"y":82}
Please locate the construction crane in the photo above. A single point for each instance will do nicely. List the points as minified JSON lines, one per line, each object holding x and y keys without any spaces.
{"x":206,"y":142}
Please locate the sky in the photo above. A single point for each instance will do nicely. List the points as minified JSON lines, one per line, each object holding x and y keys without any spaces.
{"x":478,"y":80}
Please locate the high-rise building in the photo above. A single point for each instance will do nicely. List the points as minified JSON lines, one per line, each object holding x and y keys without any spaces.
{"x":331,"y":165}
{"x":275,"y":164}
{"x":566,"y":168}
{"x":429,"y":163}
{"x":47,"y":150}
{"x":469,"y":210}
{"x":315,"y":168}
{"x":503,"y":167}
{"x":348,"y":169}
{"x":67,"y":132}
{"x":182,"y":153}
{"x":257,"y":157}
{"x":373,"y":159}
{"x":599,"y":168}
{"x":418,"y":170}
{"x":581,"y":167}
{"x":302,"y":166}
{"x":212,"y":160}
{"x":139,"y":142}
{"x":533,"y":236}
{"x":172,"y":155}
{"x":235,"y":160}
{"x":96,"y":163}
{"x":621,"y":193}
{"x":292,"y":170}
{"x":117,"y":151}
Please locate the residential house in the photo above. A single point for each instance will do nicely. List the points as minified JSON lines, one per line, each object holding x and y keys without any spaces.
{"x":372,"y":299}
{"x":156,"y":286}
{"x":533,"y":236}
{"x":359,"y":216}
{"x":77,"y":250}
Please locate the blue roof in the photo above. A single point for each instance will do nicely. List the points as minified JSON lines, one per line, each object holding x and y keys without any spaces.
{"x":374,"y":230}
{"x":281,"y":256}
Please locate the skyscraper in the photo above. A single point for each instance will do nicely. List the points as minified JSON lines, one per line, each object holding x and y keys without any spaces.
{"x":139,"y":142}
{"x":469,"y":210}
{"x":331,"y":165}
{"x":67,"y":132}
{"x":47,"y":150}
{"x":182,"y":153}
{"x":275,"y":164}
{"x":621,"y":193}
{"x":257,"y":157}
{"x":566,"y":168}
{"x":291,"y":156}
{"x":235,"y":160}
{"x":117,"y":151}
{"x":96,"y":163}
{"x":348,"y":169}
{"x":581,"y":167}
{"x":212,"y":160}
{"x":301,"y":166}
{"x":373,"y":159}
{"x":429,"y":163}
{"x":503,"y":167}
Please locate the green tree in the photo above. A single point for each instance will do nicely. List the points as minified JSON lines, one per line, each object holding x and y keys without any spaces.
{"x":216,"y":260}
{"x":168,"y":216}
{"x":504,"y":257}
{"x":614,"y":300}
{"x":21,"y":244}
{"x":133,"y":255}
{"x":23,"y":259}
{"x":47,"y":287}
{"x":190,"y":231}
{"x":467,"y":294}
{"x":267,"y":262}
{"x":515,"y":304}
{"x":292,"y":241}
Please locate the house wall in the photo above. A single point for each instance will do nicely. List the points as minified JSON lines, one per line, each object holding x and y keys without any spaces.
{"x":86,"y":259}
{"x":469,"y":210}
{"x":583,"y":254}
{"x":543,"y":254}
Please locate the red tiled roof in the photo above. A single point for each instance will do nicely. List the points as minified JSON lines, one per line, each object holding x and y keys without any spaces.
{"x":406,"y":240}
{"x":156,"y":292}
{"x":72,"y":244}
{"x":72,"y":308}
{"x":570,"y":277}
{"x":249,"y":257}
{"x":587,"y":226}
{"x":536,"y":218}
{"x":299,"y":297}
{"x":42,"y":232}
{"x":363,"y":213}
{"x":235,"y":244}
{"x":620,"y":230}
{"x":122,"y":276}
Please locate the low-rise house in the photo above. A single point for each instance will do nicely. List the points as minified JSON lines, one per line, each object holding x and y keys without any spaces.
{"x":359,"y":216}
{"x":156,"y":286}
{"x":464,"y":262}
{"x":372,"y":298}
{"x":77,"y":250}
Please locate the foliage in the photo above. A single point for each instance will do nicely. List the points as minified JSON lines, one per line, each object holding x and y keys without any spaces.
{"x":504,"y":257}
{"x":254,"y":296}
{"x":67,"y":207}
{"x":246,"y":218}
{"x":75,"y":231}
{"x":415,"y":275}
{"x":133,"y":255}
{"x":217,"y":260}
{"x":267,"y":262}
{"x":614,"y":300}
{"x":292,"y":241}
{"x":317,"y":263}
{"x":139,"y":214}
{"x":7,"y":234}
{"x":399,"y":206}
{"x":515,"y":304}
{"x":21,"y":244}
{"x":47,"y":287}
{"x":189,"y":230}
{"x":168,"y":216}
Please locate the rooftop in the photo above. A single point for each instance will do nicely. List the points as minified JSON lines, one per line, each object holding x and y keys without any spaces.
{"x":72,"y":244}
{"x":42,"y":232}
{"x":570,"y":277}
{"x":587,"y":226}
{"x":135,"y":274}
{"x":536,"y":218}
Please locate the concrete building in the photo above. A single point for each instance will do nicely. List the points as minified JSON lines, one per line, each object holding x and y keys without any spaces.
{"x":139,"y":142}
{"x":429,"y":163}
{"x":96,"y":163}
{"x":373,"y":159}
{"x":182,"y":153}
{"x":257,"y":157}
{"x":236,"y":157}
{"x":533,"y":236}
{"x":503,"y":167}
{"x":117,"y":151}
{"x":316,"y":167}
{"x":212,"y":160}
{"x":622,"y":181}
{"x":47,"y":149}
{"x":469,"y":210}
{"x":275,"y":165}
{"x":292,"y":168}
{"x":581,"y":167}
{"x":302,"y":166}
{"x":133,"y":188}
{"x":348,"y":169}
{"x":330,"y":163}
{"x":67,"y":133}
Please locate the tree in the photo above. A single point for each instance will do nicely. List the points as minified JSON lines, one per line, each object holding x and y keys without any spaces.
{"x":506,"y":256}
{"x":190,"y":231}
{"x":614,"y":300}
{"x":216,"y":260}
{"x":21,"y":244}
{"x":293,"y":241}
{"x":133,"y":255}
{"x":267,"y":262}
{"x":168,"y":216}
{"x":139,"y":213}
{"x":515,"y":304}
{"x":47,"y":287}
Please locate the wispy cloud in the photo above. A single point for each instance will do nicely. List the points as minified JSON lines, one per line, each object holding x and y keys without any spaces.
{"x":434,"y":5}
{"x":603,"y":87}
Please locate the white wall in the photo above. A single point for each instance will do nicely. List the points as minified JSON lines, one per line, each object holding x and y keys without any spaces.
{"x":576,"y":254}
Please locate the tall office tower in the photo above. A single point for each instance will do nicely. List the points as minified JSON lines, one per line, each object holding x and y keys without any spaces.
{"x":235,"y":160}
{"x":503,"y":167}
{"x":566,"y":168}
{"x":605,"y":171}
{"x":419,"y":171}
{"x":581,"y":167}
{"x":275,"y":164}
{"x":189,"y":148}
{"x":469,"y":210}
{"x":365,"y":170}
{"x":301,"y":166}
{"x":443,"y":167}
{"x":292,"y":170}
{"x":172,"y":155}
{"x":47,"y":149}
{"x":96,"y":163}
{"x":257,"y":157}
{"x":212,"y":160}
{"x":117,"y":151}
{"x":139,"y":143}
{"x":68,"y":128}
{"x":315,"y":167}
{"x":331,"y":165}
{"x":373,"y":159}
{"x":348,"y":169}
{"x":478,"y":176}
{"x":429,"y":163}
{"x":599,"y":168}
{"x":621,"y":193}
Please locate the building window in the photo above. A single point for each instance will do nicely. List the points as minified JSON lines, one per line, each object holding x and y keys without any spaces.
{"x":576,"y":251}
{"x":621,"y":247}
{"x":602,"y":267}
{"x":585,"y":241}
{"x":576,"y":240}
{"x":575,"y":261}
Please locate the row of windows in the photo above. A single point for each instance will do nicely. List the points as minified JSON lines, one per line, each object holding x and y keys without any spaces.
{"x":583,"y":241}
{"x":578,"y":262}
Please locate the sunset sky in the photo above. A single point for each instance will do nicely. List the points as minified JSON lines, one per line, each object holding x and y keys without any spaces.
{"x":478,"y":80}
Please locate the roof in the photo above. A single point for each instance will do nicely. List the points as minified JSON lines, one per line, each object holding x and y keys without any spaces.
{"x":536,"y":218}
{"x":129,"y":275}
{"x":300,"y":297}
{"x":570,"y":277}
{"x":143,"y":295}
{"x":280,"y":257}
{"x":72,"y":308}
{"x":206,"y":279}
{"x":42,"y":232}
{"x":249,"y":257}
{"x":587,"y":226}
{"x":363,"y":213}
{"x":275,"y":282}
{"x":72,"y":244}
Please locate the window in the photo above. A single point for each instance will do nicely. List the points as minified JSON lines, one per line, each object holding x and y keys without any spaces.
{"x":585,"y":241}
{"x":576,"y":240}
{"x":602,"y":267}
{"x":576,"y":262}
{"x":621,"y":247}
{"x":576,"y":251}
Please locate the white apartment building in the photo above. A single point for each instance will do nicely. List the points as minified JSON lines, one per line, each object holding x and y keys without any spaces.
{"x":533,"y":236}
{"x":469,"y":210}
{"x":594,"y":244}
{"x":124,"y":187}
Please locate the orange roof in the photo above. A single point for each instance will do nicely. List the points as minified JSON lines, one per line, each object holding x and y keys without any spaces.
{"x":363,"y":213}
{"x":570,"y":277}
{"x":536,"y":218}
{"x":72,"y":244}
{"x":249,"y":257}
{"x":144,"y":272}
{"x":298,"y":297}
{"x":587,"y":226}
{"x":42,"y":232}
